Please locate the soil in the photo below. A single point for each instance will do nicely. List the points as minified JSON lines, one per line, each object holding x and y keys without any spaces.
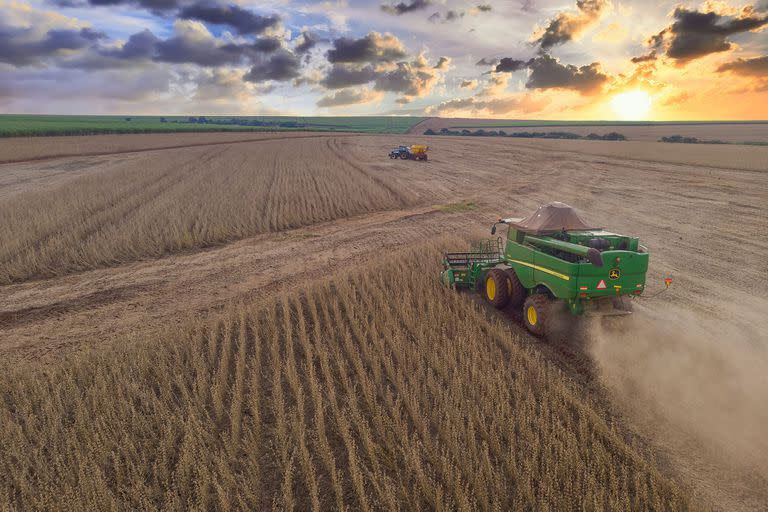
{"x":705,"y":222}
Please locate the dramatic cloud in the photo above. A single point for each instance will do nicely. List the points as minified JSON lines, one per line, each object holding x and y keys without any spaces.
{"x":279,"y":67}
{"x":348,"y":97}
{"x":757,"y":67}
{"x":373,"y":47}
{"x":242,"y":20}
{"x":403,"y":7}
{"x":21,"y":46}
{"x":548,"y":73}
{"x":341,"y":76}
{"x":509,"y":65}
{"x":567,"y":25}
{"x":695,"y":34}
{"x":468,"y":84}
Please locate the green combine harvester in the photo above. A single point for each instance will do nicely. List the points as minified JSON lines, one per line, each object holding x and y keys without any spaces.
{"x":552,"y":257}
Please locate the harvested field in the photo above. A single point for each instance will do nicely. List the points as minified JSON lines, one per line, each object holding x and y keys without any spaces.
{"x":700,"y":210}
{"x":21,"y":149}
{"x":336,"y":397}
{"x":157,"y":204}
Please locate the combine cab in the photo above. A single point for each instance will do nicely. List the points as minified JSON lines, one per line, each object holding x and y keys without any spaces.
{"x":415,"y":152}
{"x":552,"y":256}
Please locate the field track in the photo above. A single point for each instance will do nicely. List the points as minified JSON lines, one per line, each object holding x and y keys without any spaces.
{"x":690,"y":215}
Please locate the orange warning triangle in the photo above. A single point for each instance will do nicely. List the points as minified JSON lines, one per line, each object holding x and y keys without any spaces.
{"x":601,"y":285}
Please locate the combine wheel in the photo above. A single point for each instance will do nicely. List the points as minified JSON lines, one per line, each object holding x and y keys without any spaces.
{"x":497,"y":288}
{"x":517,"y":293}
{"x":536,"y":313}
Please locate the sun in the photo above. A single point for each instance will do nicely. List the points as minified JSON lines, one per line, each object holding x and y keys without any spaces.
{"x":631,"y":105}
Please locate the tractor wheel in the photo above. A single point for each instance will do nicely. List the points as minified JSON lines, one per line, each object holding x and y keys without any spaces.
{"x":497,"y":288}
{"x":536,"y":313}
{"x":404,"y":156}
{"x":517,"y":292}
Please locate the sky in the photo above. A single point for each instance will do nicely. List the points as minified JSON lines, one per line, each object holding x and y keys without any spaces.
{"x":511,"y":59}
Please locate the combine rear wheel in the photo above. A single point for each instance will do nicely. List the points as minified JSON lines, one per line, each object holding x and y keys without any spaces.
{"x":497,"y":288}
{"x":536,"y":313}
{"x":517,"y":293}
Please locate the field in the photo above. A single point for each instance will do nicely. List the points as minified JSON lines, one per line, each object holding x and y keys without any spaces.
{"x":219,"y":322}
{"x":32,"y":125}
{"x":329,"y":398}
{"x":732,"y":132}
{"x":152,"y":205}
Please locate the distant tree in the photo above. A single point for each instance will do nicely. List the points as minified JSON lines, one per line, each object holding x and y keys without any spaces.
{"x":127,"y":118}
{"x":163,"y":120}
{"x":429,"y":131}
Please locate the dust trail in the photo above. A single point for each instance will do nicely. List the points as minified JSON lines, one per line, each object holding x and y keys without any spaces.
{"x":695,"y":377}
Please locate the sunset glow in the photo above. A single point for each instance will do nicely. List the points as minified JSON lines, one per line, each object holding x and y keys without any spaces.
{"x":631,"y":105}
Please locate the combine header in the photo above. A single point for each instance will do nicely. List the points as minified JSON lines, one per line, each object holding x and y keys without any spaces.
{"x":552,"y":256}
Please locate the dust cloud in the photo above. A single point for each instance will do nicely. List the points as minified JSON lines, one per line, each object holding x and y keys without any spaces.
{"x":692,"y":376}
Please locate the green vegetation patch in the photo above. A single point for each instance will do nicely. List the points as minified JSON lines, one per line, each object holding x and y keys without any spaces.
{"x":461,"y":206}
{"x":33,"y":125}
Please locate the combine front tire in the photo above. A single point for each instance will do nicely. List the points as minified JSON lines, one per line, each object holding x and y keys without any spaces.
{"x":536,"y":313}
{"x":497,"y":288}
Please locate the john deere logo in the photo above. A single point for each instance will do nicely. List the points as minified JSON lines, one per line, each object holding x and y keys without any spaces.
{"x":614,"y":273}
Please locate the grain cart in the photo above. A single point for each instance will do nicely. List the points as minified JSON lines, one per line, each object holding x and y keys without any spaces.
{"x":415,"y":152}
{"x":551,"y":257}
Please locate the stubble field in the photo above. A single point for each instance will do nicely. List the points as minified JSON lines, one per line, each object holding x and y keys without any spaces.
{"x":298,"y":353}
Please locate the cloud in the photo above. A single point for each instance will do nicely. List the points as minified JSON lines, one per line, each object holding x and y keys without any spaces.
{"x":348,"y":97}
{"x":645,"y":58}
{"x":307,"y":42}
{"x":409,"y":79}
{"x":22,"y":46}
{"x":485,"y":61}
{"x":403,"y":7}
{"x":221,"y":85}
{"x":450,"y":16}
{"x":509,"y":65}
{"x":193,"y":44}
{"x":244,"y":22}
{"x":480,"y":106}
{"x":443,"y":63}
{"x":156,"y":6}
{"x":567,"y":25}
{"x":281,"y":66}
{"x":695,"y":34}
{"x":374,"y":47}
{"x":757,"y":67}
{"x":613,"y":33}
{"x":468,"y":84}
{"x":341,"y":76}
{"x":548,"y":73}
